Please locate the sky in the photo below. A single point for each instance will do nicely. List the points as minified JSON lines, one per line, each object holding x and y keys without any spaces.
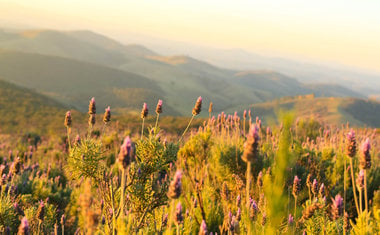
{"x":345,"y":32}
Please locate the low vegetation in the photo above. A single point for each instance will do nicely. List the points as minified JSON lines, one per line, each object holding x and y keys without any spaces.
{"x":232,"y":175}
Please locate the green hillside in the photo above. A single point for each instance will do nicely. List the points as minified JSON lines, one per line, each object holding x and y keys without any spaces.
{"x":147,"y":76}
{"x":23,"y":110}
{"x":332,"y":110}
{"x":75,"y":82}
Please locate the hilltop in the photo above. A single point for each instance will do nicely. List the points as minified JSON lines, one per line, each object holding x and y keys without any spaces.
{"x":178,"y":79}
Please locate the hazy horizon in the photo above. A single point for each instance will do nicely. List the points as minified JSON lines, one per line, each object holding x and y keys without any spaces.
{"x":342,"y":32}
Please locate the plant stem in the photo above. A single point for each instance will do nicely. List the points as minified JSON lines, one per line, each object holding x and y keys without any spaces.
{"x":155,"y":126}
{"x":122,"y":200}
{"x":295,"y":207}
{"x":360,"y":201}
{"x":353,"y":186}
{"x":178,"y":232}
{"x":244,"y":127}
{"x":68,"y":136}
{"x":365,"y":190}
{"x":188,"y":125}
{"x":114,"y":212}
{"x":63,"y":229}
{"x":142,"y":129}
{"x":248,"y":182}
{"x":344,"y":193}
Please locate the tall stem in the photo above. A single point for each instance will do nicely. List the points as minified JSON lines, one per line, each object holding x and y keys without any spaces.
{"x":360,"y":201}
{"x":155,"y":126}
{"x":142,"y":129}
{"x":68,"y":136}
{"x":188,"y":125}
{"x":365,"y":190}
{"x":353,"y":186}
{"x":248,"y":183}
{"x":122,"y":201}
{"x":295,"y":207}
{"x":345,"y":189}
{"x":113,"y":211}
{"x":244,"y":126}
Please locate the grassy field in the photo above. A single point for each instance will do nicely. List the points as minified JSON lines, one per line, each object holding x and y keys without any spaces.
{"x":229,"y":175}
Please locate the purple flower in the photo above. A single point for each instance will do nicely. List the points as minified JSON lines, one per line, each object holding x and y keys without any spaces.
{"x":290,"y":219}
{"x":125,"y":152}
{"x":159,"y":107}
{"x":203,"y":228}
{"x":23,"y":229}
{"x":175,"y":187}
{"x":144,"y":111}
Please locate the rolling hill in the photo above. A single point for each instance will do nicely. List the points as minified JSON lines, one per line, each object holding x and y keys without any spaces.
{"x":329,"y":110}
{"x":74,"y":82}
{"x":22,"y":109}
{"x":72,"y":66}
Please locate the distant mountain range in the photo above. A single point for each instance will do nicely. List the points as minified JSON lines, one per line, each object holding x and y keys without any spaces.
{"x":73,"y":66}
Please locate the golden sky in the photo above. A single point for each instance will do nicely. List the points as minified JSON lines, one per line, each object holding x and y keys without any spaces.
{"x":346,"y":32}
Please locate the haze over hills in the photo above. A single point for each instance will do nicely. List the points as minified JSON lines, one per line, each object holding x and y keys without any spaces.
{"x":73,"y":66}
{"x":367,"y":83}
{"x":328,"y":110}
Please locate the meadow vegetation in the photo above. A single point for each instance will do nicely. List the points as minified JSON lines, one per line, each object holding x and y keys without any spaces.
{"x":229,"y":175}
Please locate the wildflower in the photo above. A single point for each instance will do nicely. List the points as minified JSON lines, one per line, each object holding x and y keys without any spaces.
{"x":351,"y":144}
{"x":77,"y":140}
{"x":203,"y":228}
{"x":178,"y":218}
{"x":260,"y":179}
{"x":322,"y":190}
{"x":164,"y":221}
{"x":41,"y":211}
{"x":125,"y":152}
{"x":107,"y":115}
{"x":314,"y":189}
{"x":7,"y":231}
{"x":269,"y":131}
{"x":18,"y":209}
{"x":296,"y":186}
{"x":225,"y":191}
{"x":16,"y":166}
{"x":238,"y":214}
{"x":68,"y":120}
{"x":92,"y":107}
{"x":264,"y":219}
{"x":251,"y":145}
{"x":365,"y":156}
{"x":360,"y":180}
{"x":234,"y":225}
{"x":245,"y":114}
{"x":309,"y":211}
{"x":337,"y":207}
{"x":159,"y":107}
{"x":175,"y":187}
{"x":238,"y":200}
{"x":144,"y":111}
{"x":63,"y":219}
{"x":252,"y":209}
{"x":308,"y":181}
{"x":91,"y":120}
{"x":23,"y":229}
{"x":290,"y":219}
{"x":210,"y":107}
{"x":346,"y":222}
{"x":198,"y":106}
